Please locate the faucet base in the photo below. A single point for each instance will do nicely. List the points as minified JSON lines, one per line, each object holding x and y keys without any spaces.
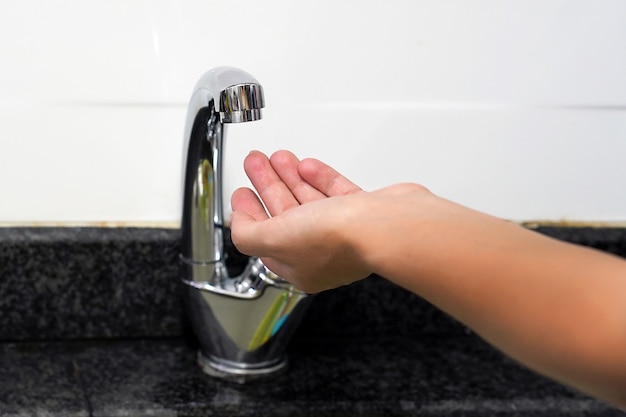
{"x":240,"y":373}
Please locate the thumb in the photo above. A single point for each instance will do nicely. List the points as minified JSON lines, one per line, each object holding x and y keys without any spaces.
{"x":245,"y":232}
{"x":246,"y":221}
{"x":246,"y":201}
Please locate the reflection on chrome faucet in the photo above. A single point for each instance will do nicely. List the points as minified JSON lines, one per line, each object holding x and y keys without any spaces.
{"x":243,"y":322}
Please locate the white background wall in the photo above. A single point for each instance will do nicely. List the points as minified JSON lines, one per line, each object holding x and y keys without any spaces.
{"x":517,"y":108}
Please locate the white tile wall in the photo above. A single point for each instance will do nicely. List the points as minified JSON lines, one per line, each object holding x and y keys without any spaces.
{"x":517,"y":108}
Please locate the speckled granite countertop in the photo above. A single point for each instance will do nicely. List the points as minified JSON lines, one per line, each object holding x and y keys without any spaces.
{"x":441,"y":376}
{"x":91,"y":325}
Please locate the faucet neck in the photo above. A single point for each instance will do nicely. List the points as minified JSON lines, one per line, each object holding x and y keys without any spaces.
{"x":222,"y":95}
{"x":202,"y":220}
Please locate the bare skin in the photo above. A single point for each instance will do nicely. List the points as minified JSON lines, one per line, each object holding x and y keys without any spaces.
{"x":558,"y":308}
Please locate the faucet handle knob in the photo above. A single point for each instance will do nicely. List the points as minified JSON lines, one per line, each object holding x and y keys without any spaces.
{"x":241,"y":103}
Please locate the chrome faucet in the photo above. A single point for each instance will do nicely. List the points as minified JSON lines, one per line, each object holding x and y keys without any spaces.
{"x":243,"y":320}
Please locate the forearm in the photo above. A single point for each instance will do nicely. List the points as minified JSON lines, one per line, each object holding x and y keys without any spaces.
{"x":558,"y":308}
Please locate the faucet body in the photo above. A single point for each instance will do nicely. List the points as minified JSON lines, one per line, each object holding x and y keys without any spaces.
{"x":244,"y":319}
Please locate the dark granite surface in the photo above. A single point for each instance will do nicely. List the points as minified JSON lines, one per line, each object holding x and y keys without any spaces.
{"x":91,"y":324}
{"x":76,"y":283}
{"x":101,"y":283}
{"x":443,"y":376}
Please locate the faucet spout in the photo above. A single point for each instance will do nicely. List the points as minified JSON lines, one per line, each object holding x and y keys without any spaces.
{"x":243,"y":321}
{"x":222,"y":95}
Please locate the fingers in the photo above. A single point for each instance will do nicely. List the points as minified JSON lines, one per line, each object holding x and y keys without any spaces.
{"x":271,"y":188}
{"x":325,"y":179}
{"x":285,"y":164}
{"x":283,"y":182}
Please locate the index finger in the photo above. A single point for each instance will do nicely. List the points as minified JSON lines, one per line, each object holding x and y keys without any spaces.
{"x":273,"y":191}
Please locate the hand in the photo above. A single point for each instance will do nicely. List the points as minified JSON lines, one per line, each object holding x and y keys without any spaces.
{"x":303,"y":238}
{"x":555,"y":307}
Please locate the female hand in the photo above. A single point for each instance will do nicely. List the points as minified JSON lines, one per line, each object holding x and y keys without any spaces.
{"x":303,"y":237}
